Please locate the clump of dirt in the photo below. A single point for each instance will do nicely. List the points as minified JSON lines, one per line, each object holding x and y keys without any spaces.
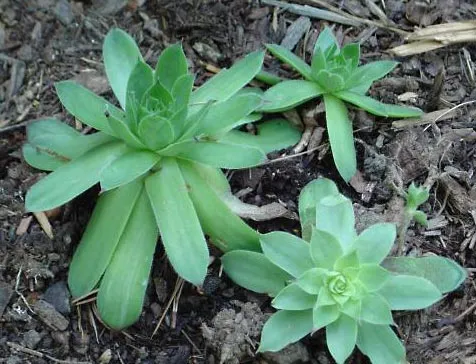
{"x":233,"y":332}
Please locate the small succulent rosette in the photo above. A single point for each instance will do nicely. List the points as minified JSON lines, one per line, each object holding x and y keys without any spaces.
{"x":337,"y":281}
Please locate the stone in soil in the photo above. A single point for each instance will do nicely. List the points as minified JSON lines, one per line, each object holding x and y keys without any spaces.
{"x":48,"y":314}
{"x":58,"y":295}
{"x":31,"y":339}
{"x":5,"y":294}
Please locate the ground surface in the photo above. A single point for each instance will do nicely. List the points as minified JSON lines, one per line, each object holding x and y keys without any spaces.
{"x":44,"y":41}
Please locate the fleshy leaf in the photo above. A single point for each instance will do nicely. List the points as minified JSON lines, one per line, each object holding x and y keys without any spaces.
{"x":375,"y":310}
{"x":325,"y":249}
{"x":229,"y":81}
{"x":255,"y":272}
{"x":324,"y":315}
{"x":335,"y":215}
{"x":127,"y":168}
{"x":444,"y":273}
{"x":325,"y":298}
{"x":366,"y":74}
{"x":380,"y":344}
{"x":182,"y":91}
{"x":156,"y":131}
{"x":73,"y":178}
{"x":218,"y":154}
{"x":122,"y":130}
{"x":351,"y":52}
{"x":341,"y":336}
{"x":372,"y":276}
{"x":233,"y":235}
{"x":375,"y":243}
{"x":288,"y":57}
{"x":341,"y":137}
{"x":122,"y":289}
{"x":284,"y":328}
{"x":171,"y":65}
{"x":139,"y":83}
{"x":102,"y":234}
{"x":378,"y":108}
{"x":287,"y":251}
{"x":120,"y":54}
{"x":330,"y":81}
{"x":52,"y":143}
{"x":226,"y":115}
{"x":179,"y":227}
{"x":416,"y":196}
{"x":272,"y":135}
{"x":289,"y":94}
{"x":327,"y":42}
{"x":405,"y":292}
{"x":309,"y":197}
{"x":293,"y":298}
{"x":86,"y":106}
{"x":312,"y":280}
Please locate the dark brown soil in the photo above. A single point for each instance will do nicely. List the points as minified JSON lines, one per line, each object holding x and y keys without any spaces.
{"x":44,"y":41}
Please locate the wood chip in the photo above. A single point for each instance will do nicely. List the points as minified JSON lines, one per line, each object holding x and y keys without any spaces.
{"x":23,"y":225}
{"x":428,"y":118}
{"x":295,"y":32}
{"x":44,"y":223}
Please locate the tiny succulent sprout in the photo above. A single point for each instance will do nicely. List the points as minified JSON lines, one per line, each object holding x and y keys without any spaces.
{"x":337,"y":281}
{"x":157,"y":157}
{"x":415,"y":197}
{"x":335,"y":75}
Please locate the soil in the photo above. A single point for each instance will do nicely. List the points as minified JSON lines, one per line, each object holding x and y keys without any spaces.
{"x":44,"y":41}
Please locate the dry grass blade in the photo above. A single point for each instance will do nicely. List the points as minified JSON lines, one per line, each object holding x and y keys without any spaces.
{"x":436,"y":36}
{"x":44,"y":223}
{"x":178,"y":288}
{"x":428,"y":118}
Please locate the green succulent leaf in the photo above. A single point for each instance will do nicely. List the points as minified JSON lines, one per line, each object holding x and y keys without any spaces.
{"x":404,"y":292}
{"x":122,"y":130}
{"x":327,"y":43}
{"x":140,"y":81}
{"x":291,"y":59}
{"x":122,"y":289}
{"x":284,"y":328}
{"x":233,"y":235}
{"x":325,"y":249}
{"x":99,"y":241}
{"x":44,"y":160}
{"x":220,"y":154}
{"x":310,"y":196}
{"x":86,"y":106}
{"x":372,"y":276}
{"x":329,"y":81}
{"x":156,"y":131}
{"x":375,"y":242}
{"x":352,"y":308}
{"x":287,"y":251}
{"x":368,"y":73}
{"x":293,"y":298}
{"x":378,"y":108}
{"x":318,"y":63}
{"x":272,"y":135}
{"x":120,"y":54}
{"x":444,"y":273}
{"x":351,"y":52}
{"x":171,"y":65}
{"x":376,"y":310}
{"x":227,"y":115}
{"x":380,"y":344}
{"x":416,"y":196}
{"x":350,"y":260}
{"x":228,"y":81}
{"x":420,"y":217}
{"x":70,"y":180}
{"x":341,"y":138}
{"x":182,"y":91}
{"x":127,"y":168}
{"x":325,"y":298}
{"x":341,"y":336}
{"x":324,"y":315}
{"x":289,"y":94}
{"x":312,"y":280}
{"x":255,"y":272}
{"x":179,"y":226}
{"x":335,"y":215}
{"x":52,"y":143}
